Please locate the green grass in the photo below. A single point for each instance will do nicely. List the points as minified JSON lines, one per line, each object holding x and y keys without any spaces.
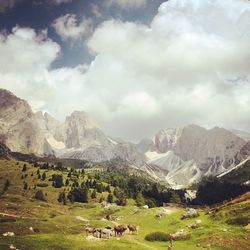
{"x":59,"y":227}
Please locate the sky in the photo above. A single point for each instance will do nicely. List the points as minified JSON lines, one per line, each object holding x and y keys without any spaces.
{"x":136,"y":66}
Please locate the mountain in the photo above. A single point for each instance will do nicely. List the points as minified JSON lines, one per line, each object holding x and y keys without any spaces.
{"x":240,"y":174}
{"x":178,"y":156}
{"x":191,"y":152}
{"x":242,"y":134}
{"x":84,"y":139}
{"x":19,"y":129}
{"x":4,"y":151}
{"x":146,"y":145}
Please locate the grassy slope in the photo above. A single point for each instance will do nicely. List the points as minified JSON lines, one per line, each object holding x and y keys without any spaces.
{"x":59,"y":227}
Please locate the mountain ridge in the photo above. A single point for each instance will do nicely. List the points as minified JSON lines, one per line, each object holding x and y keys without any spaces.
{"x":179,"y":156}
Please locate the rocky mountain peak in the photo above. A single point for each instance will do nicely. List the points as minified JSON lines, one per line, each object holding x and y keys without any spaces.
{"x":166,"y":139}
{"x":9,"y":103}
{"x":82,"y":120}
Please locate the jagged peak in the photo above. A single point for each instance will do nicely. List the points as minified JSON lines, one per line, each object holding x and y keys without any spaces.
{"x":82,"y":118}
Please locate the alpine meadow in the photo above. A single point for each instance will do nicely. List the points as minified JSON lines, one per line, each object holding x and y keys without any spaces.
{"x":124,"y":124}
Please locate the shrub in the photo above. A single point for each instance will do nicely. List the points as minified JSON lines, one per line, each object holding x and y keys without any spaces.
{"x":6,"y":185}
{"x":42,"y":184}
{"x":157,"y":236}
{"x":241,"y":220}
{"x":40,"y":196}
{"x":7,"y":219}
{"x":24,"y":168}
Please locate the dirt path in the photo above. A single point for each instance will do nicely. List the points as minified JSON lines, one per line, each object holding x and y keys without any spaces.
{"x":15,"y":216}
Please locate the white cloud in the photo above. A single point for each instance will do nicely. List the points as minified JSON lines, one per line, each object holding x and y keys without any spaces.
{"x":67,"y":27}
{"x":126,"y":3}
{"x":191,"y":65}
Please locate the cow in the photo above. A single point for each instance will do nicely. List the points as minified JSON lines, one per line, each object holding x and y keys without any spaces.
{"x":107,"y":233}
{"x":120,"y":229}
{"x":90,"y":230}
{"x":133,"y":229}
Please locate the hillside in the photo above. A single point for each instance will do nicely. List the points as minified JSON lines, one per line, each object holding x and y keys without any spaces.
{"x":239,"y":175}
{"x":176,"y":156}
{"x":52,"y":225}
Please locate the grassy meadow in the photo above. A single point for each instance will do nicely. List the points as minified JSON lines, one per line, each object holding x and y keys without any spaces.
{"x":57,"y":226}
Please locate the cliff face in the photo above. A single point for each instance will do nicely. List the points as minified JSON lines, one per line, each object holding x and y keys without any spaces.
{"x":191,"y":152}
{"x":19,"y":128}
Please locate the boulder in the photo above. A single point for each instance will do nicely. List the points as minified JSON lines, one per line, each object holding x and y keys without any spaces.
{"x":190,"y":213}
{"x":181,"y":235}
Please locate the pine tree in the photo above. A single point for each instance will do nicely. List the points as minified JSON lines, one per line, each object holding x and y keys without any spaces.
{"x":99,"y":187}
{"x":24,"y":168}
{"x":25,"y":186}
{"x":93,"y":195}
{"x":121,"y":198}
{"x":6,"y":185}
{"x":43,"y":176}
{"x":58,"y":180}
{"x":67,"y":182}
{"x":40,"y":196}
{"x":62,"y":198}
{"x":78,"y":195}
{"x":108,"y":188}
{"x":175,"y":198}
{"x":101,"y":199}
{"x":139,"y":200}
{"x":110,"y":198}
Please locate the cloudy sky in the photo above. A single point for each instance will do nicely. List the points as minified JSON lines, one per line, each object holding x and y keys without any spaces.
{"x":135,"y":65}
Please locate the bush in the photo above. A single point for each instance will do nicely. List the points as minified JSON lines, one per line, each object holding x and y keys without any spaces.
{"x":40,"y":196}
{"x":42,"y":184}
{"x":7,"y":219}
{"x":6,"y":185}
{"x":241,"y":220}
{"x":157,"y":236}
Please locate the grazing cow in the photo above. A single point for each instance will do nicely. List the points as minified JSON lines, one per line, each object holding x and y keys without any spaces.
{"x":120,"y":229}
{"x":133,"y":229}
{"x":107,"y":233}
{"x":90,"y":230}
{"x":99,"y":233}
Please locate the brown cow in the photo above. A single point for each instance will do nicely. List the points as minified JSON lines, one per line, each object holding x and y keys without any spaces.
{"x":132,"y":229}
{"x":120,"y":229}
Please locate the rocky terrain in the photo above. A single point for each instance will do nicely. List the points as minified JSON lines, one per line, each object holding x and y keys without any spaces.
{"x":179,"y":156}
{"x":19,"y":128}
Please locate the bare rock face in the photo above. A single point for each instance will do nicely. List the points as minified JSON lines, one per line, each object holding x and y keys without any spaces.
{"x":81,"y":131}
{"x":84,"y":139}
{"x":4,"y":151}
{"x":146,"y":145}
{"x":19,"y":129}
{"x":191,"y":152}
{"x":243,"y":153}
{"x":166,"y":139}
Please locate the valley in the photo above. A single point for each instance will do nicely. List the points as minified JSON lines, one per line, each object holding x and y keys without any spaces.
{"x":49,"y":224}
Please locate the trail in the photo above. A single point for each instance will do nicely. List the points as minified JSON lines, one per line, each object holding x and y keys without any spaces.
{"x":141,"y":244}
{"x":16,"y":216}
